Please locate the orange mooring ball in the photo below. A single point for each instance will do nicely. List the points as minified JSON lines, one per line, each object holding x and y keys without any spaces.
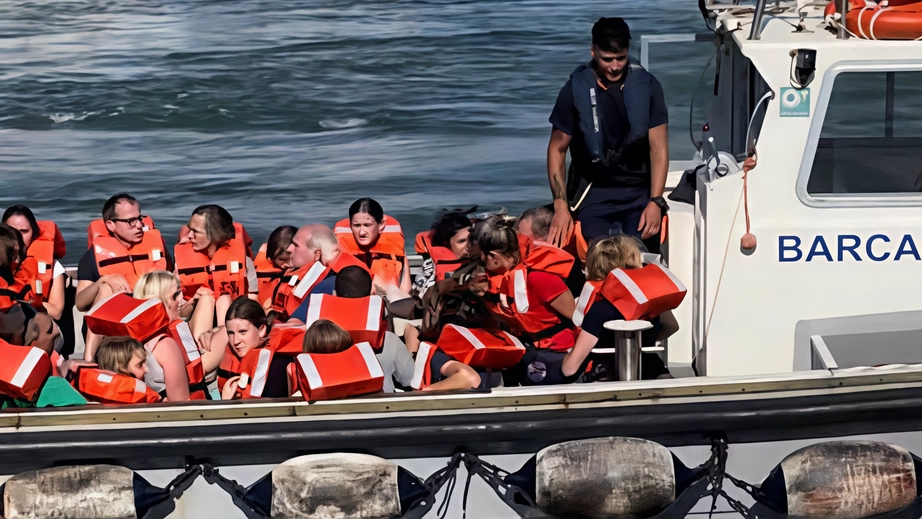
{"x":748,"y":241}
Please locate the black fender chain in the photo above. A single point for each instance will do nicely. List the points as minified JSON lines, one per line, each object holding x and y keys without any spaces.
{"x":717,"y":471}
{"x":236,"y":491}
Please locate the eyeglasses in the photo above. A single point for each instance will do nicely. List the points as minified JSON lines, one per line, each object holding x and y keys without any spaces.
{"x":131,"y":221}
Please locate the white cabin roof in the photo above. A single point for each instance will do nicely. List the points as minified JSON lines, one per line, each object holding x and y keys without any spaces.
{"x":778,"y":28}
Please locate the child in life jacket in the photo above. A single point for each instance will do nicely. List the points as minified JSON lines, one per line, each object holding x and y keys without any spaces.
{"x":122,"y":355}
{"x":377,"y":240}
{"x":44,"y":243}
{"x":606,"y":255}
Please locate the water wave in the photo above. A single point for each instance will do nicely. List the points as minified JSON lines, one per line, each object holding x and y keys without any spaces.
{"x":339,"y":125}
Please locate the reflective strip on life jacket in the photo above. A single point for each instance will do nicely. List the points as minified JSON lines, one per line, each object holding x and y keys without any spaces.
{"x":121,"y":314}
{"x":291,"y":293}
{"x":587,"y":296}
{"x":23,"y":370}
{"x":422,"y":373}
{"x":362,"y":317}
{"x":180,"y":332}
{"x":254,"y":367}
{"x":107,"y":387}
{"x":481,"y":348}
{"x":643,"y":293}
{"x":327,"y":376}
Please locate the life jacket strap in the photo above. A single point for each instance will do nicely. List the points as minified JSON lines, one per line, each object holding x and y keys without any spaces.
{"x":551,"y":331}
{"x":223,"y":373}
{"x":123,"y":259}
{"x":269,"y":275}
{"x":197,"y":270}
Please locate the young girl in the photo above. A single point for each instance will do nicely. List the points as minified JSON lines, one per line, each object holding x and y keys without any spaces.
{"x":122,"y":355}
{"x":325,"y":336}
{"x":377,"y":240}
{"x":606,"y":255}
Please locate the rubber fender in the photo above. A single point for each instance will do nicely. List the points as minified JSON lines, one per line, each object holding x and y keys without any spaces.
{"x":73,"y":492}
{"x":337,"y":485}
{"x":603,"y":478}
{"x":848,"y":479}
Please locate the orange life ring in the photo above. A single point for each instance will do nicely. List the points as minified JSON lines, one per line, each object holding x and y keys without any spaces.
{"x":889,"y":20}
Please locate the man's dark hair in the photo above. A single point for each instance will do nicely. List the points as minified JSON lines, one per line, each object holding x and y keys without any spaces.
{"x":611,"y":34}
{"x":108,"y":209}
{"x":219,"y":224}
{"x":352,"y":282}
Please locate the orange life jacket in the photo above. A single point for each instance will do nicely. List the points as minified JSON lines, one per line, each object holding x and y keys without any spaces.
{"x":225,"y":273}
{"x":643,"y":293}
{"x":23,"y":371}
{"x":481,"y":348}
{"x":293,"y":288}
{"x":267,"y":274}
{"x":56,"y":361}
{"x":114,"y":258}
{"x":44,"y":249}
{"x":107,"y":387}
{"x":280,"y":338}
{"x":422,"y":373}
{"x":180,"y":332}
{"x":385,"y":258}
{"x":123,"y":315}
{"x":328,"y":376}
{"x":443,"y":259}
{"x":362,"y":317}
{"x":346,"y":260}
{"x":254,"y":368}
{"x":507,"y":295}
{"x":97,"y":228}
{"x":587,"y":296}
{"x":18,"y":290}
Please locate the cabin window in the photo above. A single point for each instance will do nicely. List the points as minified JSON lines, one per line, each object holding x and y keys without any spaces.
{"x":871,"y":139}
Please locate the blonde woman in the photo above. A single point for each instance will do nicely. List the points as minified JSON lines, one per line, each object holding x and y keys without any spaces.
{"x":604,"y":256}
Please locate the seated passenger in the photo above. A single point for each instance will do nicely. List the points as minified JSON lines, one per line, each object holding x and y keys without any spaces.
{"x":324,"y":336}
{"x":45,"y":244}
{"x":271,"y":262}
{"x":114,"y":263}
{"x":165,"y":286}
{"x":535,"y":224}
{"x":247,"y":331}
{"x":121,"y":365}
{"x":528,"y":293}
{"x":122,"y":355}
{"x":315,"y":260}
{"x":449,"y":247}
{"x":215,"y":258}
{"x":376,"y":240}
{"x":608,"y":254}
{"x":395,"y":359}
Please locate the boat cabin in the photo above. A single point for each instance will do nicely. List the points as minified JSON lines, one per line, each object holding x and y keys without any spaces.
{"x":835,"y":201}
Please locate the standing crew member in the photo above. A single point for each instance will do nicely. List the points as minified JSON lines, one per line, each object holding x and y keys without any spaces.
{"x":611,"y":115}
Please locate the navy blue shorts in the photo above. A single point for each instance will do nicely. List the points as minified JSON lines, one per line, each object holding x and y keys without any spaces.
{"x":607,"y":211}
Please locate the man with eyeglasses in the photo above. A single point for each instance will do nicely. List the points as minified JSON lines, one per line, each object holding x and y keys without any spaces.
{"x":611,"y":116}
